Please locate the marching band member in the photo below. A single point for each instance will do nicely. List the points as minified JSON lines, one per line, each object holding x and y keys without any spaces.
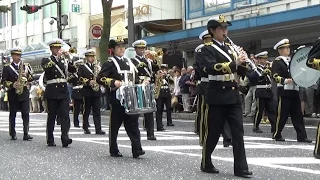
{"x":222,"y":97}
{"x":264,"y":92}
{"x":112,"y":75}
{"x":201,"y":88}
{"x":146,"y":71}
{"x":163,"y":97}
{"x":76,"y":95}
{"x":288,"y":95}
{"x":314,"y":62}
{"x":91,"y":92}
{"x":14,"y":77}
{"x":56,"y":93}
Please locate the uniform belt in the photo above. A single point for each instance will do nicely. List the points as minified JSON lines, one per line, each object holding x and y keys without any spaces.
{"x":164,"y":87}
{"x":289,"y":86}
{"x":264,"y":86}
{"x":225,"y":77}
{"x":203,"y":79}
{"x":77,"y":87}
{"x":145,"y":78}
{"x":58,"y":80}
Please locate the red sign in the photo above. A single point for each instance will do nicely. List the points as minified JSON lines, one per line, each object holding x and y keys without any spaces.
{"x":96,"y":31}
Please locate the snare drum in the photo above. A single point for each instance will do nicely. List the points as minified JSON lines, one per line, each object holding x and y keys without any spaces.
{"x":138,"y":99}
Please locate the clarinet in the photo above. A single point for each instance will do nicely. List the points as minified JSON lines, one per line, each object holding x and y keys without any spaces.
{"x":237,"y":49}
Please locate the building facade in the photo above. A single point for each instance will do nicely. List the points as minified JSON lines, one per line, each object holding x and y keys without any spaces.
{"x":17,"y":28}
{"x":257,"y":24}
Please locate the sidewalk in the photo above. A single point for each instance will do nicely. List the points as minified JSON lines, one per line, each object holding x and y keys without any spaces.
{"x":192,"y":116}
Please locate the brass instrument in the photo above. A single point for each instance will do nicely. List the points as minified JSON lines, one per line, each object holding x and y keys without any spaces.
{"x":154,"y":56}
{"x":241,"y":52}
{"x":21,"y":79}
{"x":66,"y":54}
{"x":158,"y":84}
{"x":95,"y":86}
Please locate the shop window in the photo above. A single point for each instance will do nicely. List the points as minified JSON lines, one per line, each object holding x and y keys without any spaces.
{"x":46,"y":9}
{"x":14,"y":13}
{"x":216,"y":5}
{"x":195,"y":5}
{"x":3,"y":20}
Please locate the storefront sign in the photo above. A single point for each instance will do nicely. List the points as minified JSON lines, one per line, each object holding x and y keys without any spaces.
{"x":96,"y":30}
{"x":94,"y":42}
{"x":140,"y":10}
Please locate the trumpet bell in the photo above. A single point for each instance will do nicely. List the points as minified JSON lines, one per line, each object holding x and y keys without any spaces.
{"x":130,"y":53}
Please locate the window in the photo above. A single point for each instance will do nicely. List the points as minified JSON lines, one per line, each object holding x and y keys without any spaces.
{"x":216,"y":5}
{"x":20,"y":13}
{"x":46,"y":9}
{"x":14,"y":13}
{"x":64,"y":6}
{"x":194,"y":5}
{"x":3,"y":20}
{"x":54,"y":10}
{"x":30,"y":17}
{"x":36,"y":15}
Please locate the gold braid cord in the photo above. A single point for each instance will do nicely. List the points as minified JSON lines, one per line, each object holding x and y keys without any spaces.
{"x":106,"y":81}
{"x":7,"y":84}
{"x":83,"y":80}
{"x":49,"y":64}
{"x":223,"y":67}
{"x":267,"y":71}
{"x":142,"y":64}
{"x":277,"y":78}
{"x":315,"y":63}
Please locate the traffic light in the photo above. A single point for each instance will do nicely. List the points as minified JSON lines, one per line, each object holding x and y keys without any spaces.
{"x":64,"y":20}
{"x":30,"y":9}
{"x":5,"y":9}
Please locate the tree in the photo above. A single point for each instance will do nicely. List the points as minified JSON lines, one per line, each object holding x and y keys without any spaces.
{"x":104,"y":41}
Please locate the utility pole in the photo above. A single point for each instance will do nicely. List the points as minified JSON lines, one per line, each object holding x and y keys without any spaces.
{"x":59,"y":19}
{"x":130,"y":23}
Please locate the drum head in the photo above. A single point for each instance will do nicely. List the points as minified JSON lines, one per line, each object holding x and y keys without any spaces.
{"x":301,"y":74}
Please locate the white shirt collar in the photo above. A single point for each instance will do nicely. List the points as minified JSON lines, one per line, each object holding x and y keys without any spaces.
{"x":120,"y":58}
{"x":16,"y":63}
{"x":140,"y":56}
{"x":221,"y":44}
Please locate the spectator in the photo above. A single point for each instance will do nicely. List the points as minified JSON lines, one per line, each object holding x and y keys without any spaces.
{"x":184,"y":84}
{"x":177,"y":92}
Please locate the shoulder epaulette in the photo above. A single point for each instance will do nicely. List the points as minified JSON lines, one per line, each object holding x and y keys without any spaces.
{"x":228,"y":44}
{"x":7,"y":64}
{"x":278,"y":58}
{"x":208,"y":44}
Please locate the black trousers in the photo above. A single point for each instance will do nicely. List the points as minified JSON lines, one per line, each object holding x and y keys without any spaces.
{"x":23,"y":106}
{"x":148,"y":122}
{"x":199,"y":115}
{"x":227,"y":137}
{"x":268,"y":105}
{"x":317,"y":147}
{"x":290,"y":105}
{"x":58,"y":107}
{"x":77,"y":107}
{"x":95,"y":104}
{"x":214,"y":124}
{"x":131,"y":125}
{"x":161,"y":101}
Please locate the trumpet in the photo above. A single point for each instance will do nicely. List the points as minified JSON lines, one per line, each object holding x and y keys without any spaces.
{"x":239,"y":52}
{"x":66,"y":54}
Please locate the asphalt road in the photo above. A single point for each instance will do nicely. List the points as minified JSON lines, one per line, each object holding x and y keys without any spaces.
{"x":175,"y":155}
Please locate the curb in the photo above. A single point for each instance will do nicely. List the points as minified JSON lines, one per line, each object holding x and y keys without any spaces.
{"x":192,"y":116}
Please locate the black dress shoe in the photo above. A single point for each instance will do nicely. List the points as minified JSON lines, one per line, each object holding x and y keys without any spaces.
{"x":210,"y":170}
{"x":151,"y":138}
{"x":27,"y":137}
{"x":306,"y":140}
{"x":227,"y":144}
{"x":100,"y":132}
{"x":87,"y":131}
{"x":170,"y":124}
{"x":77,"y":126}
{"x":14,"y":137}
{"x":58,"y":123}
{"x":138,"y":153}
{"x":66,"y":142}
{"x":161,"y":129}
{"x":257,"y":130}
{"x":279,"y":139}
{"x":118,"y":154}
{"x":244,"y":174}
{"x":51,"y":144}
{"x":317,"y":156}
